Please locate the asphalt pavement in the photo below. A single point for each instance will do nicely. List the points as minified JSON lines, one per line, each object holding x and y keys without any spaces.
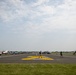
{"x":56,"y":59}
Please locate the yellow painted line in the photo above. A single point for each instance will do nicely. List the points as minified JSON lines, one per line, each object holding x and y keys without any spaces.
{"x":27,"y":58}
{"x":37,"y":57}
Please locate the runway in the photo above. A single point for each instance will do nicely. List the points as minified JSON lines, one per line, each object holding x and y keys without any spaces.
{"x":55,"y":59}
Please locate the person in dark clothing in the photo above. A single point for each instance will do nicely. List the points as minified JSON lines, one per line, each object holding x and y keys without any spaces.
{"x":74,"y":53}
{"x":0,"y":53}
{"x":40,"y":54}
{"x":61,"y":54}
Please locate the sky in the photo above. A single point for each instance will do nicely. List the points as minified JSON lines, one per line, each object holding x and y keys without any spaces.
{"x":38,"y":25}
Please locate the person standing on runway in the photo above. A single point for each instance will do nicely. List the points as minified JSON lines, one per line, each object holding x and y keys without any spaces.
{"x":61,"y":54}
{"x":40,"y":54}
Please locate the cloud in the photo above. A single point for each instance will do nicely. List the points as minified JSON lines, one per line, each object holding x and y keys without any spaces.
{"x":12,"y":9}
{"x":64,"y":17}
{"x":39,"y":24}
{"x":41,"y":17}
{"x":40,"y":2}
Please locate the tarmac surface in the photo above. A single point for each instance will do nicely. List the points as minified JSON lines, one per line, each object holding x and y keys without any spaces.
{"x":56,"y":59}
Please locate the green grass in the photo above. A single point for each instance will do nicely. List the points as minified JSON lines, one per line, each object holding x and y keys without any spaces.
{"x":37,"y":69}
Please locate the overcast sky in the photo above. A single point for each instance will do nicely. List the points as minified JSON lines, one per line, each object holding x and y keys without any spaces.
{"x":38,"y":25}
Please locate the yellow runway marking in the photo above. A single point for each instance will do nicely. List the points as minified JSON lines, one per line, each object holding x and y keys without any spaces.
{"x":37,"y":58}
